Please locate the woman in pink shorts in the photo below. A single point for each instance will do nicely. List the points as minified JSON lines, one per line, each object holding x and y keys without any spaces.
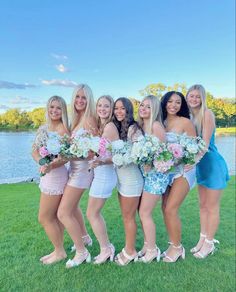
{"x":54,"y":177}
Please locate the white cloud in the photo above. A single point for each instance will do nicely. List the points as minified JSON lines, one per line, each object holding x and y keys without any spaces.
{"x":12,"y":85}
{"x":61,"y":68}
{"x":59,"y":57}
{"x":57,"y":82}
{"x":24,"y":100}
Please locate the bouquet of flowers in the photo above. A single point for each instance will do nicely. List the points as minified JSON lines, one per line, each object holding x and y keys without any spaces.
{"x":121,"y":153}
{"x":79,"y":145}
{"x":144,"y":149}
{"x":50,"y":150}
{"x":164,"y":159}
{"x":104,"y":148}
{"x":193,"y":148}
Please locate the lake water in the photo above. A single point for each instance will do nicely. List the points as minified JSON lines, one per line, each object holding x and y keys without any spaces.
{"x":16,"y":162}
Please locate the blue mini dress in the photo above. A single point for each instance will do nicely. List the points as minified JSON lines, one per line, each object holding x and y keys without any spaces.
{"x":155,"y":182}
{"x":212,"y":171}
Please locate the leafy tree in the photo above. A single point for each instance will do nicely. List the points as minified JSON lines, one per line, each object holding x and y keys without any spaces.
{"x":37,"y":116}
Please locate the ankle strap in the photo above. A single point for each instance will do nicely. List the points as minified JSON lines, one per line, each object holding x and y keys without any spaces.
{"x":202,"y":235}
{"x":179,"y":246}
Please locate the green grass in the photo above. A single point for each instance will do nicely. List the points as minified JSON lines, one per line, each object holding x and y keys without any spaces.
{"x":226,"y":131}
{"x":23,"y":241}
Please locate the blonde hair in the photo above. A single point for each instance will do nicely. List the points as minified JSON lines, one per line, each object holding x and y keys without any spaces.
{"x":156,"y":112}
{"x":64,"y":116}
{"x":198,"y":118}
{"x":100,"y":125}
{"x":80,"y":118}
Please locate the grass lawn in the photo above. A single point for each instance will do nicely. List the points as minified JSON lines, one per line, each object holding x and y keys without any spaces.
{"x":23,"y":242}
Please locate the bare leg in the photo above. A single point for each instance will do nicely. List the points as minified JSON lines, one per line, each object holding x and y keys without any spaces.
{"x":129,"y":206}
{"x":96,"y":220}
{"x":80,"y":218}
{"x":177,"y":194}
{"x":148,"y":203}
{"x":203,"y":218}
{"x":66,"y":214}
{"x":54,"y":229}
{"x":212,"y":205}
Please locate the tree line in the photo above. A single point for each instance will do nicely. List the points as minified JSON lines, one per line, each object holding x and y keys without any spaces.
{"x":223,"y":108}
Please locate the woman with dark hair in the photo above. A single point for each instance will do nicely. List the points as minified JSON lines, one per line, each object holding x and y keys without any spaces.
{"x":176,"y":119}
{"x":130,"y":180}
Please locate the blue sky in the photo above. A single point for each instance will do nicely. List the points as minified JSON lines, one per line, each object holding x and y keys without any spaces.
{"x":117,"y":47}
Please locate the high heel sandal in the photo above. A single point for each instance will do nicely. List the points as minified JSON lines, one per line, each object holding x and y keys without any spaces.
{"x":87,"y":240}
{"x":150,"y":255}
{"x":164,"y":252}
{"x":202,"y":255}
{"x":128,"y":258}
{"x":142,"y":252}
{"x":80,"y":258}
{"x":196,"y":248}
{"x":106,"y":253}
{"x":168,"y":259}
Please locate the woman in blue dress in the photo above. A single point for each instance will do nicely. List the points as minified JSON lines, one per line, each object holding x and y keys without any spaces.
{"x":155,"y":183}
{"x":212,"y":172}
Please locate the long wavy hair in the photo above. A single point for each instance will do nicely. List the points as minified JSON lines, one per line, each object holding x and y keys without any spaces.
{"x":156,"y":112}
{"x":77,"y":117}
{"x":100,"y":125}
{"x":124,"y":125}
{"x":184,"y":110}
{"x":64,"y":116}
{"x":198,"y":119}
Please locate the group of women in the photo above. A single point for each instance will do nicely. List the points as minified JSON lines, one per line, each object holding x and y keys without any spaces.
{"x":139,"y":189}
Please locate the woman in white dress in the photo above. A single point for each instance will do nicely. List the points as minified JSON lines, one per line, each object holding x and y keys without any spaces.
{"x":104,"y":181}
{"x":130,"y":180}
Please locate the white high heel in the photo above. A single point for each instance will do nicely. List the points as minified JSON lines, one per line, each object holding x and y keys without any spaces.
{"x":164,"y":252}
{"x":203,"y":255}
{"x":168,"y":259}
{"x":150,"y":255}
{"x":80,"y":258}
{"x":195,"y":248}
{"x":100,"y":259}
{"x":142,"y":252}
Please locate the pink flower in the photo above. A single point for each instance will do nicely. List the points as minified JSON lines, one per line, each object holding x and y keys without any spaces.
{"x":163,"y":166}
{"x":103,"y":147}
{"x":176,"y":149}
{"x":43,"y":151}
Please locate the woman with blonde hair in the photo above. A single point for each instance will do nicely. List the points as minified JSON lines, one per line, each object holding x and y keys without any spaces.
{"x":155,"y":184}
{"x":104,"y":179}
{"x":54,"y":177}
{"x":82,"y":118}
{"x":211,"y":171}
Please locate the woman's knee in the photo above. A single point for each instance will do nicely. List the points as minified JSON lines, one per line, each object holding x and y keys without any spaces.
{"x":144,"y":215}
{"x":92,"y":214}
{"x":62,"y":214}
{"x":170,"y":211}
{"x":44,"y":218}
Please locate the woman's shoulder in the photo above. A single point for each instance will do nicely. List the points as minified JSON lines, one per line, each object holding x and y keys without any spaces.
{"x":110,"y":127}
{"x":208,"y":114}
{"x":157,"y":125}
{"x":110,"y":131}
